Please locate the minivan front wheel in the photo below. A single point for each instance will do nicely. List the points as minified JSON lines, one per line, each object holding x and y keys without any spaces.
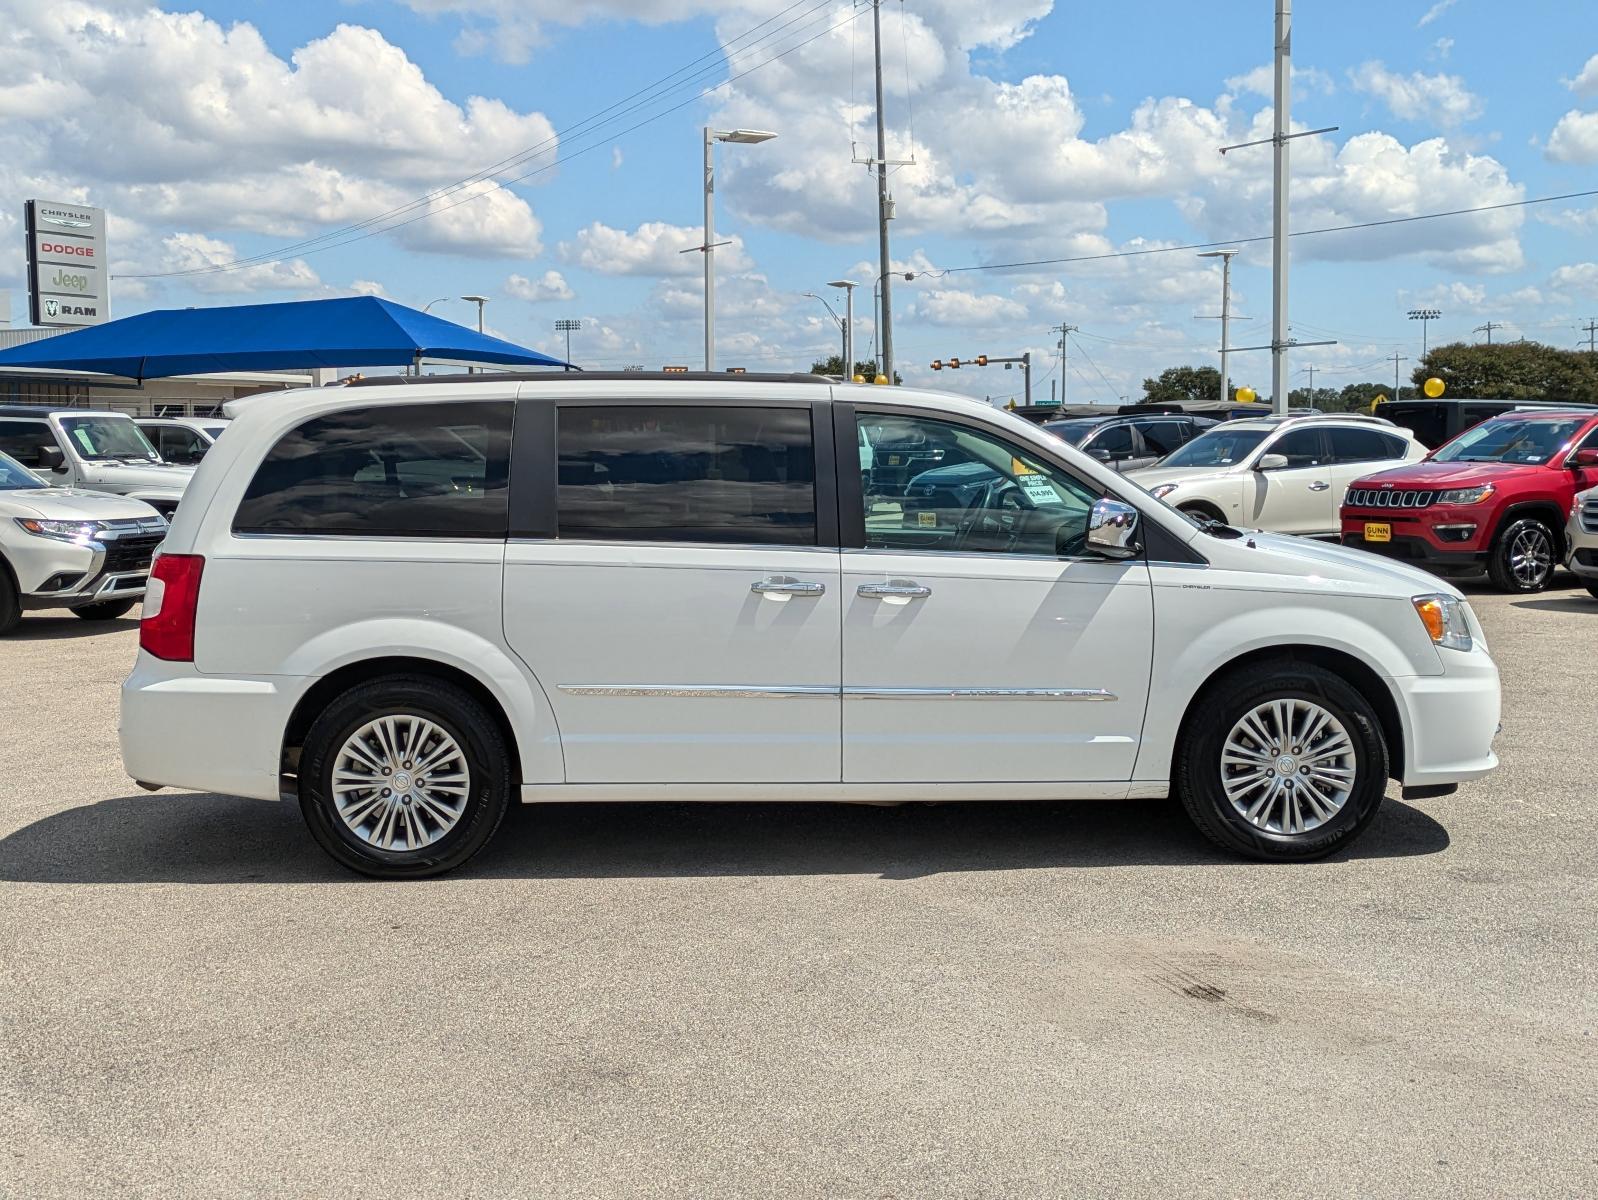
{"x":1284,"y":761}
{"x":404,"y":777}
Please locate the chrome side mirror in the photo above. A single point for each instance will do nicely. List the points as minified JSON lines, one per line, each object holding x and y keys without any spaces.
{"x":1112,"y":529}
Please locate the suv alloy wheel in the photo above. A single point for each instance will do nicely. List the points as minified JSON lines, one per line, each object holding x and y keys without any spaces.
{"x":1522,"y":557}
{"x":1285,"y":762}
{"x":404,"y":777}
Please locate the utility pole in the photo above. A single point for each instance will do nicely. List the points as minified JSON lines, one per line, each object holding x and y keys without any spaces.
{"x":1226,"y":315}
{"x":1488,"y":330}
{"x":1591,"y":330}
{"x":1064,"y":331}
{"x":1280,"y":177}
{"x":1311,"y":370}
{"x":1398,"y":388}
{"x":884,"y":205}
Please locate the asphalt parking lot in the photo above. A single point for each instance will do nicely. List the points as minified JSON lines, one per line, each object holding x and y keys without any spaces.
{"x":685,"y":1000}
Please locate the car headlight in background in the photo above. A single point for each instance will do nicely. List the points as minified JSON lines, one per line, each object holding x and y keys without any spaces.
{"x":1470,"y":495}
{"x":65,"y":531}
{"x":1445,"y":620}
{"x":1162,"y":490}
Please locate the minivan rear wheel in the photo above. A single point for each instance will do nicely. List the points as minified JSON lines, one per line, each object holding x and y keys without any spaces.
{"x":1283,"y":761}
{"x":404,"y":777}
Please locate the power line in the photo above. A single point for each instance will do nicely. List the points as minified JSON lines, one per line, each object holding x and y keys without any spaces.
{"x":311,"y":245}
{"x":1453,"y":212}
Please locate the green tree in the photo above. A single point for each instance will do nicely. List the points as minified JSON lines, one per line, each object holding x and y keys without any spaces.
{"x":1511,"y":371}
{"x":833,"y":365}
{"x":1178,"y":384}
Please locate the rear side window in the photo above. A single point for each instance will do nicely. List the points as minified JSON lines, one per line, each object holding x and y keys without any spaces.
{"x":1363,"y":445}
{"x":401,"y":470}
{"x":1162,"y":437}
{"x":1301,"y":447}
{"x":687,"y":474}
{"x":22,"y":439}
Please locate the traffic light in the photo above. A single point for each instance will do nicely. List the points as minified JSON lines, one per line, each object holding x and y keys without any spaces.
{"x":982,"y":360}
{"x":937,"y":364}
{"x":670,"y":370}
{"x":954,"y":364}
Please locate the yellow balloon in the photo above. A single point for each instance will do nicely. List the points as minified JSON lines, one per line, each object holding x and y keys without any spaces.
{"x":1247,"y":395}
{"x":1434,"y":387}
{"x":880,"y":379}
{"x":859,"y":378}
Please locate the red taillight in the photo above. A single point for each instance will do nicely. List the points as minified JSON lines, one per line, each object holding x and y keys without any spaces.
{"x":167,"y":630}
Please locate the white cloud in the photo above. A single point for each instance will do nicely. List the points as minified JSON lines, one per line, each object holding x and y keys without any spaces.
{"x":1575,"y":138}
{"x":969,"y":309}
{"x":1575,"y":220}
{"x":1435,"y":11}
{"x":654,"y":248}
{"x":192,"y":251}
{"x":1443,"y":47}
{"x":1440,"y":99}
{"x":551,"y":285}
{"x":1586,"y":81}
{"x":368,"y":287}
{"x":1576,"y":279}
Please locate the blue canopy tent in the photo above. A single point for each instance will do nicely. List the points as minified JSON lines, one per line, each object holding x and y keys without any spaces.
{"x":360,"y":331}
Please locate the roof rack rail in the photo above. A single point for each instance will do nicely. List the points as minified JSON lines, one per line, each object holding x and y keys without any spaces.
{"x":597,"y":377}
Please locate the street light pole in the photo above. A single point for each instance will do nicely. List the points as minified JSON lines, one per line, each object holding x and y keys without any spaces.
{"x":1226,"y":315}
{"x":884,"y":207}
{"x":848,"y":286}
{"x":1284,"y":95}
{"x":479,"y":301}
{"x":712,"y":136}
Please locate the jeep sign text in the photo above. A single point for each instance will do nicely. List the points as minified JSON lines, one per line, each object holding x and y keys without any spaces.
{"x":66,"y":269}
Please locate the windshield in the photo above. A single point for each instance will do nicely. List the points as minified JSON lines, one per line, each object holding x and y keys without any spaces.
{"x":1511,"y":440}
{"x":14,"y":477}
{"x":108,"y":437}
{"x":1220,"y":447}
{"x":1072,"y":431}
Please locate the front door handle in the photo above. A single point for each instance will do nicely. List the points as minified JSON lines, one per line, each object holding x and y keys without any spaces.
{"x":1320,"y":485}
{"x":785,"y":586}
{"x":894,"y":589}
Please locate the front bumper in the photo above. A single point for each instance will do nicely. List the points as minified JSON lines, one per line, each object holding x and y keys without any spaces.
{"x":1417,"y":549}
{"x":1450,"y":720}
{"x":115,"y":565}
{"x":1583,"y":561}
{"x":211,"y":733}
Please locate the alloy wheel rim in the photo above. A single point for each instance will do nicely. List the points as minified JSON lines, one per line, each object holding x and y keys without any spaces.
{"x":1530,"y":556}
{"x":400,"y":782}
{"x":1288,"y":766}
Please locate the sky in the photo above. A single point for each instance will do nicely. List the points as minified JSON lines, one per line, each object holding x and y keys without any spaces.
{"x":548,"y":155}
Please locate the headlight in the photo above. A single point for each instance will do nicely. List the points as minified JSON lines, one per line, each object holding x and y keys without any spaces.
{"x":1161,"y":491}
{"x":66,"y":531}
{"x":1470,"y":495}
{"x":1445,"y":620}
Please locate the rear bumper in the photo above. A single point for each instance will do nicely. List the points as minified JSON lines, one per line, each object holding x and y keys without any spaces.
{"x":1450,"y":720}
{"x":206,"y":732}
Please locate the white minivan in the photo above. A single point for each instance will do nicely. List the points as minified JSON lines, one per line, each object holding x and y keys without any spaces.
{"x":406,"y":603}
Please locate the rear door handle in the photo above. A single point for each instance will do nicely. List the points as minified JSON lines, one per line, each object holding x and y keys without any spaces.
{"x":1320,"y":485}
{"x":894,"y":589}
{"x":784,"y":585}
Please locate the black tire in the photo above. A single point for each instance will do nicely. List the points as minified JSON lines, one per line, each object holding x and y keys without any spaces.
{"x":1199,"y":765}
{"x":106,"y":610}
{"x":1525,"y":532}
{"x":1204,"y":512}
{"x":10,"y":602}
{"x":1592,"y":587}
{"x":455,"y":712}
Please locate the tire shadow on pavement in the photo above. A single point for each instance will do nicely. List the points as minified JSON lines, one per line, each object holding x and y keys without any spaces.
{"x":198,"y":838}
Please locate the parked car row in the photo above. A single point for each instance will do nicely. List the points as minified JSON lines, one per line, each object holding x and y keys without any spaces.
{"x":85,"y":499}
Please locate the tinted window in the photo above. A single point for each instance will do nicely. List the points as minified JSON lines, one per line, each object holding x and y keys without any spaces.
{"x":1162,"y":437}
{"x":685,"y":474}
{"x":179,"y":444}
{"x":1428,"y":422}
{"x":992,"y":498}
{"x":1114,"y":440}
{"x":403,"y":470}
{"x":22,"y":439}
{"x":1302,"y":448}
{"x":1072,"y":431}
{"x":1363,"y":445}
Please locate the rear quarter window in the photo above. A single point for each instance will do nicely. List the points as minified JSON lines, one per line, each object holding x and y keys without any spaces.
{"x":400,"y":470}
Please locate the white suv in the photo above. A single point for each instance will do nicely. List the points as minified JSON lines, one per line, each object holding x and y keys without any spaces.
{"x":1285,"y":474}
{"x":83,"y":551}
{"x":96,"y":451}
{"x":406,"y":604}
{"x":1581,"y":535}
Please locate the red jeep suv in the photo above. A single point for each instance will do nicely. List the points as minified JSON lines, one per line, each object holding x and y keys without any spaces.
{"x":1497,"y":497}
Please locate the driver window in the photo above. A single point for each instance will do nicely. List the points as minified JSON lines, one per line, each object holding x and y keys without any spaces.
{"x":968,"y":492}
{"x":1301,"y":448}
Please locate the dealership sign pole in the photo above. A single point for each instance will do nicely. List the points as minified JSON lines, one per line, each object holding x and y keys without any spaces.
{"x":66,"y":264}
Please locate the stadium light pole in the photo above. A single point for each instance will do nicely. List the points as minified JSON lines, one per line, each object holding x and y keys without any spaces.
{"x":1425,"y":316}
{"x":568,"y":327}
{"x":712,"y":136}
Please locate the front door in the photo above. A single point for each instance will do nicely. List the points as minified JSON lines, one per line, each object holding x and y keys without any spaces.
{"x":685,"y":621}
{"x":1297,"y":498}
{"x":981,"y":642}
